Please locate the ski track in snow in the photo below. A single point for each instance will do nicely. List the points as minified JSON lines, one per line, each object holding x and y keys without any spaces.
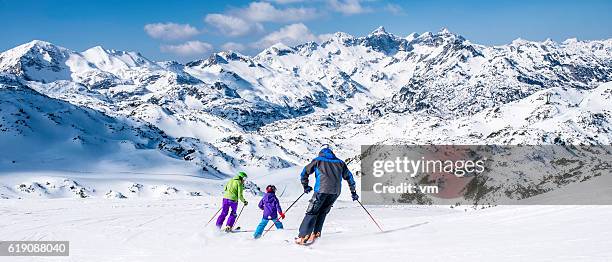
{"x":173,"y":230}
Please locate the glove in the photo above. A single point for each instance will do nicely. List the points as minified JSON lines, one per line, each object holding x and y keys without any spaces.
{"x":245,"y":203}
{"x":282,"y":215}
{"x":307,"y":189}
{"x":354,"y":196}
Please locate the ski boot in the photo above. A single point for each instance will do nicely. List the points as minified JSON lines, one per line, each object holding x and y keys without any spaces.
{"x":302,"y":240}
{"x":314,"y":236}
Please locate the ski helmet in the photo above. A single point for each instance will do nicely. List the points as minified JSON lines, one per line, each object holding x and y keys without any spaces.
{"x":242,"y":175}
{"x":271,"y":189}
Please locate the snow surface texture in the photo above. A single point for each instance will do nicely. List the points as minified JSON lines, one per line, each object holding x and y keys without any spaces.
{"x":173,"y":230}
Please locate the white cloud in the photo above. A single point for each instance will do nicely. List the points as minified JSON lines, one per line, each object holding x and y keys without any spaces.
{"x":290,"y":35}
{"x":170,"y":31}
{"x":394,"y":9}
{"x":266,"y":12}
{"x":231,"y":25}
{"x":324,"y":37}
{"x":249,"y":19}
{"x":348,"y":7}
{"x":190,"y":48}
{"x":231,"y":46}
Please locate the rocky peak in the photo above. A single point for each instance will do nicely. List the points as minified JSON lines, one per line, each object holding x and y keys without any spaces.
{"x":411,"y":36}
{"x":278,"y":49}
{"x":379,"y":31}
{"x":384,"y":42}
{"x":341,"y":38}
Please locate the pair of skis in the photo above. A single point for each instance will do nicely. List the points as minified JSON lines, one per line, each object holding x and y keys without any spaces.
{"x":304,"y":244}
{"x":231,"y":229}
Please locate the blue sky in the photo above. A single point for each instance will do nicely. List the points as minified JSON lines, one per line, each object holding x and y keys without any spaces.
{"x":186,"y":30}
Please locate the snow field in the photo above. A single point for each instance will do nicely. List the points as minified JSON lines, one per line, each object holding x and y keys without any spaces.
{"x":173,"y":230}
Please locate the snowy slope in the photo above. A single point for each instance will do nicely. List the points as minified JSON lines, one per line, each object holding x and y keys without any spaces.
{"x":42,"y":133}
{"x":173,"y":230}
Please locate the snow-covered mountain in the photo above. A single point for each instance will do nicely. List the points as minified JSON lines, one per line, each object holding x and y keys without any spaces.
{"x":232,"y":111}
{"x":60,"y":135}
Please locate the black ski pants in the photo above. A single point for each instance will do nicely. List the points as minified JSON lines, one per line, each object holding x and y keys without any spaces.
{"x":319,"y":206}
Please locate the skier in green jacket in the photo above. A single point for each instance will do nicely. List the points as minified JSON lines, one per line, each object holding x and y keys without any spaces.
{"x":233,"y":193}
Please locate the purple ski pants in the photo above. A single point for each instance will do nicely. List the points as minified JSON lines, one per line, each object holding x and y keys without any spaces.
{"x":227,"y":204}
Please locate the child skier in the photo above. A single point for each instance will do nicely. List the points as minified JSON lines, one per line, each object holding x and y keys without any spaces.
{"x":270,"y":206}
{"x":233,"y":193}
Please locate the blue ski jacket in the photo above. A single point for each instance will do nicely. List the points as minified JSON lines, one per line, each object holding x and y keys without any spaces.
{"x":329,"y":172}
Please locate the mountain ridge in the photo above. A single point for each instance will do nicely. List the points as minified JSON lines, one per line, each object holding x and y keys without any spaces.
{"x":270,"y":110}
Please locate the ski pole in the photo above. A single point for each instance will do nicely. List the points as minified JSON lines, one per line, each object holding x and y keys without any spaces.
{"x":213,"y":217}
{"x":239,"y":213}
{"x":286,"y":210}
{"x":381,"y":230}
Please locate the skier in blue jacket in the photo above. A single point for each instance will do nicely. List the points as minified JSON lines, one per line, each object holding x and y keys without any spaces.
{"x":329,"y":172}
